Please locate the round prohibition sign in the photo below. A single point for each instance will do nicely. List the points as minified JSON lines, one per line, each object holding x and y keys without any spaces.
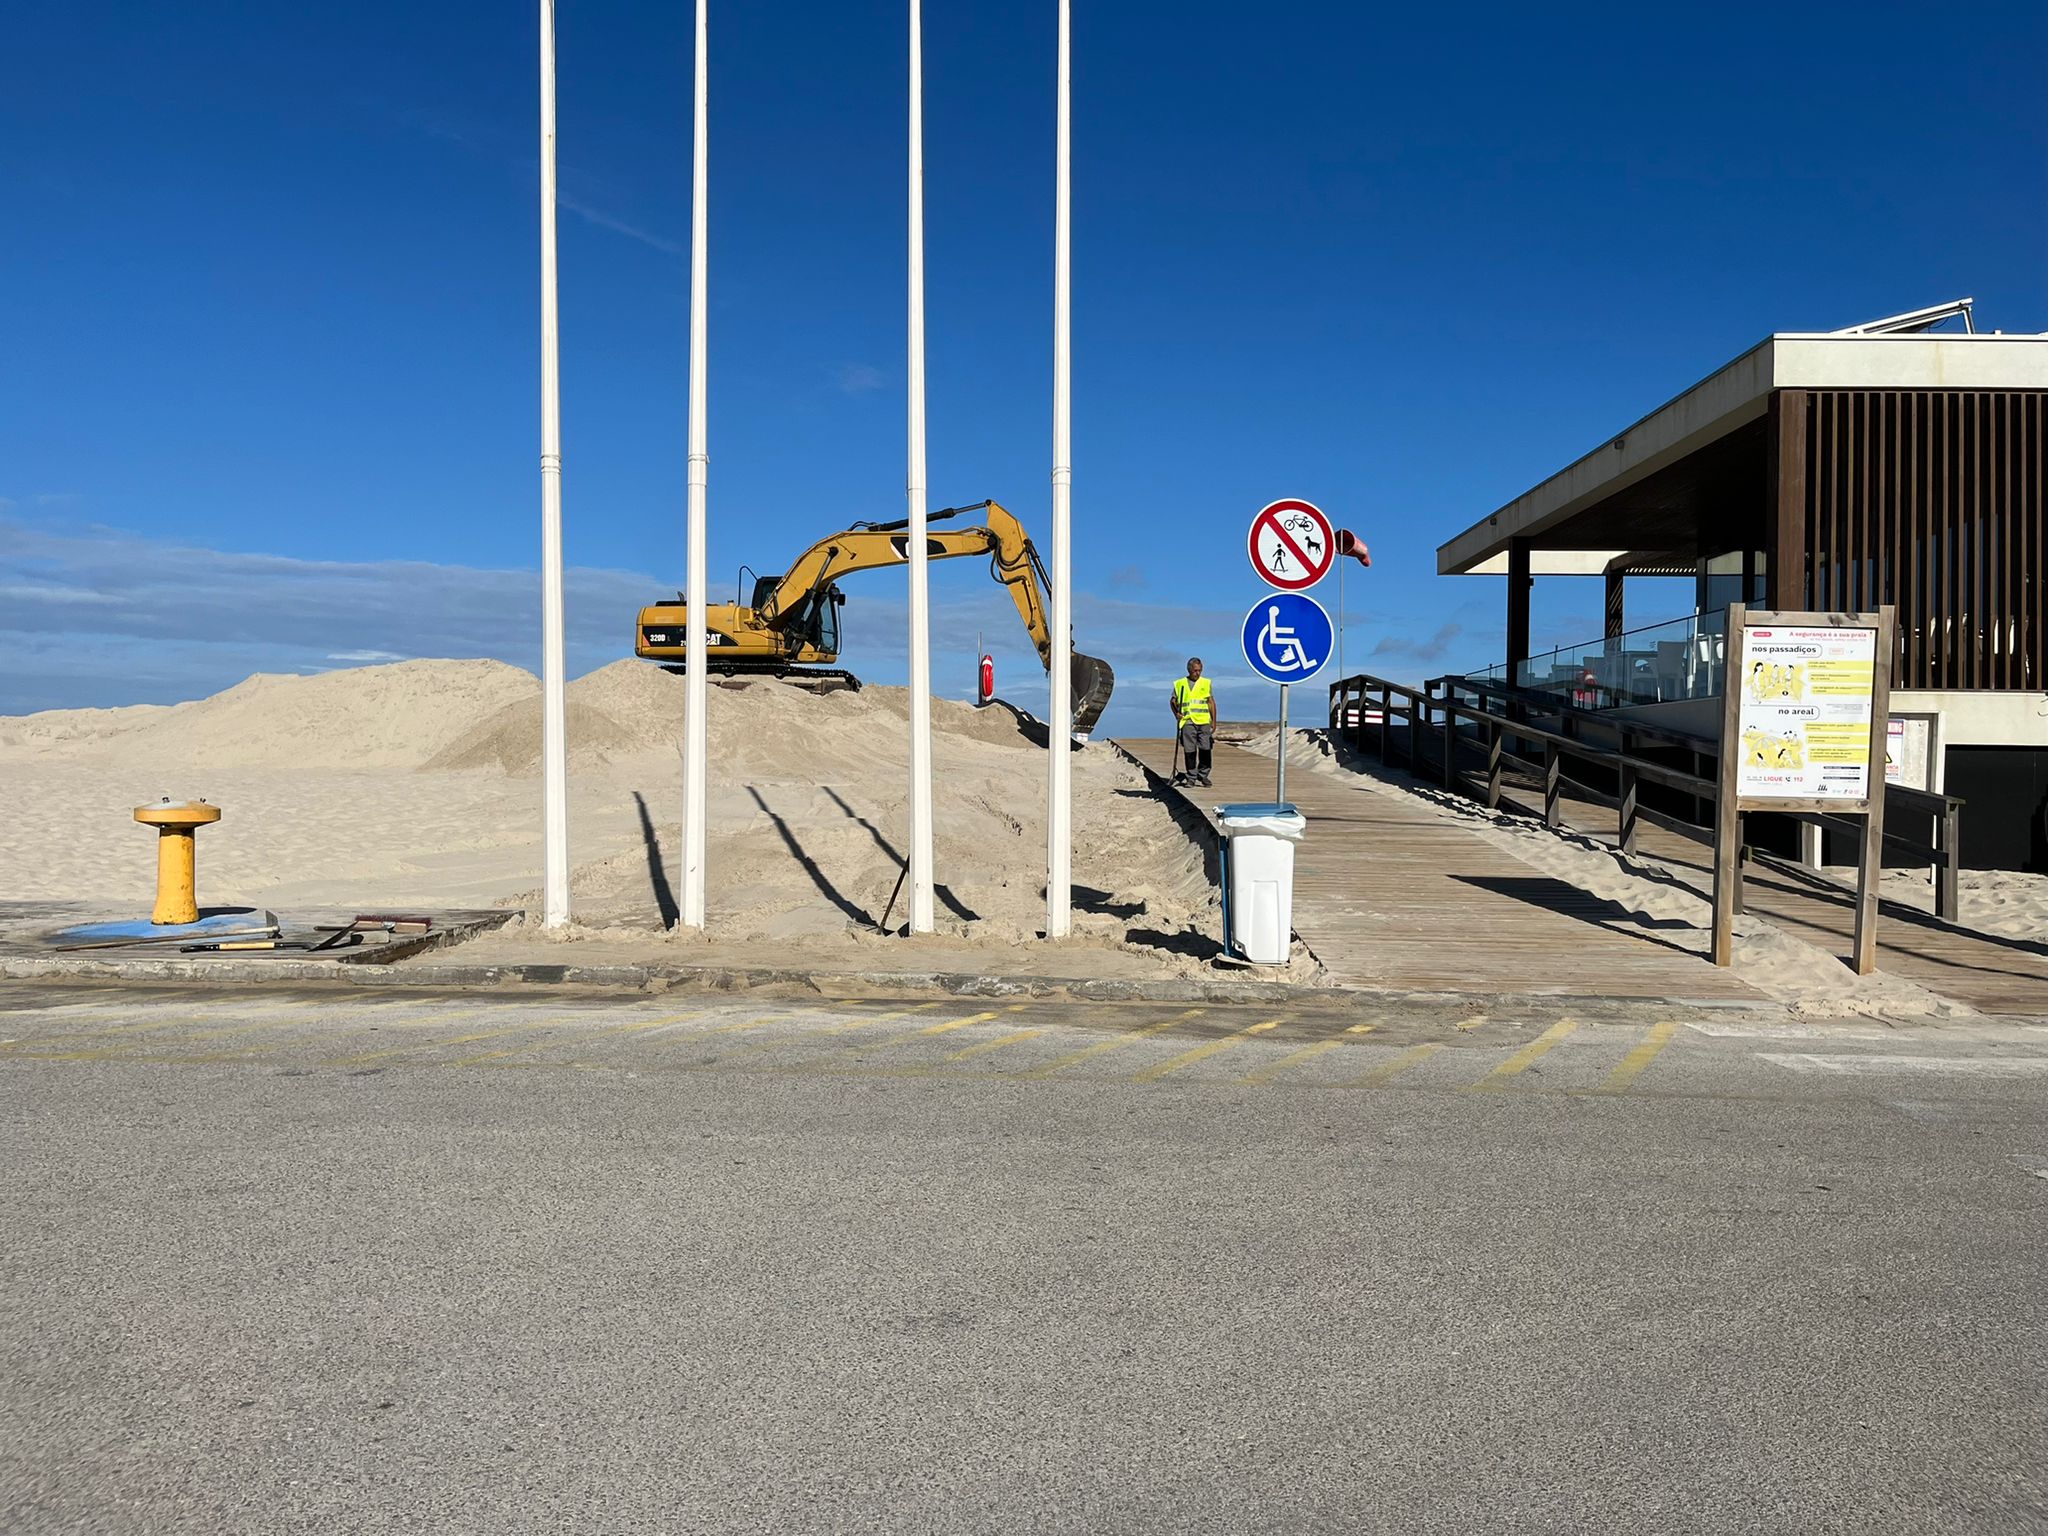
{"x":1291,"y":545}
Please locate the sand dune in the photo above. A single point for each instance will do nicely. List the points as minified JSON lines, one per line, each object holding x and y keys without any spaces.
{"x":418,"y":783}
{"x":394,"y":716}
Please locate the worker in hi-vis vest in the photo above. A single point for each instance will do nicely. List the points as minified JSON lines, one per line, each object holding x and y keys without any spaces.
{"x":1194,"y":718}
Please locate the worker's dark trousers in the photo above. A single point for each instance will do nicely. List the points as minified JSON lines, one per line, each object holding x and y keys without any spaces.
{"x":1197,"y":742}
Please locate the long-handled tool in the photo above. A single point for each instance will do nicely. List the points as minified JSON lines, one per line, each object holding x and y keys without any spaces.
{"x":239,"y":944}
{"x":152,"y":940}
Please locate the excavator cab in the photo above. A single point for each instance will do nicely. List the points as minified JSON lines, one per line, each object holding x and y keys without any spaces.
{"x":811,"y":621}
{"x":814,"y":620}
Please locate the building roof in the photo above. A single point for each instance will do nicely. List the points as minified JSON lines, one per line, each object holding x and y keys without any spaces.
{"x":1712,"y":410}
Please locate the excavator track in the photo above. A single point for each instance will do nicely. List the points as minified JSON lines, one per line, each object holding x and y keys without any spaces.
{"x":815,"y":679}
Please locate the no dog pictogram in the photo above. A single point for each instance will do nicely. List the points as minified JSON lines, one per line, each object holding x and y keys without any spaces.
{"x":1291,"y":545}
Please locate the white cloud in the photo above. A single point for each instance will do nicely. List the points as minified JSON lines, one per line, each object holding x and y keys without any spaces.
{"x":619,"y":226}
{"x":99,"y":616}
{"x":860,"y":379}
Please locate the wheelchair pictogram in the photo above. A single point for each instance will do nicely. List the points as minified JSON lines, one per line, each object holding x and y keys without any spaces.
{"x":1287,"y":637}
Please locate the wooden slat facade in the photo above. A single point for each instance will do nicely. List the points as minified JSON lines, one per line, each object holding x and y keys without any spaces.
{"x":1930,"y":500}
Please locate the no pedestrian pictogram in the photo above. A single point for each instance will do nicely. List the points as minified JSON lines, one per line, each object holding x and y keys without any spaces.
{"x":1291,"y":545}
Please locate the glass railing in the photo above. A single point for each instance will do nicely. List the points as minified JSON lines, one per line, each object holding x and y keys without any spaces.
{"x":1679,"y":659}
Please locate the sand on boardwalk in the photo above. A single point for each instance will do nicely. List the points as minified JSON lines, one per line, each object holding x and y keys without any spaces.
{"x":417,"y":784}
{"x":1675,"y":905}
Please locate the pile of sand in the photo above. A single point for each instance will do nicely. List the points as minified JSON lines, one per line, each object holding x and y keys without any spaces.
{"x":395,"y":716}
{"x":631,"y":709}
{"x":417,"y":784}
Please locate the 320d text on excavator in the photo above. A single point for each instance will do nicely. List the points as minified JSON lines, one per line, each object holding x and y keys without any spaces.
{"x":790,"y":629}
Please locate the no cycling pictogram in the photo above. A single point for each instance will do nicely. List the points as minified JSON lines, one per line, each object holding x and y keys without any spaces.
{"x":1290,"y":545}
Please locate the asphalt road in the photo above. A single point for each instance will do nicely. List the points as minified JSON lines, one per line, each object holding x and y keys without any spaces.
{"x":285,"y":1263}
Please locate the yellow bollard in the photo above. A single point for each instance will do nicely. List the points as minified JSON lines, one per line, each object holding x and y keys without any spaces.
{"x":177,"y":894}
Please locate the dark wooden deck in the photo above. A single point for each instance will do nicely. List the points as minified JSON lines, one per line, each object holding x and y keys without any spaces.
{"x":1388,"y":894}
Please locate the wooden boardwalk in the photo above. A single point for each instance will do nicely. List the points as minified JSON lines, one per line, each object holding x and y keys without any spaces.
{"x":1389,"y":895}
{"x":1990,"y":974}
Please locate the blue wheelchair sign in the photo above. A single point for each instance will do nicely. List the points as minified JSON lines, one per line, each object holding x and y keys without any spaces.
{"x":1287,"y":637}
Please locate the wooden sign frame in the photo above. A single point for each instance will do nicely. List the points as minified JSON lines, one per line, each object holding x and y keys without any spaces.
{"x":1730,"y":807}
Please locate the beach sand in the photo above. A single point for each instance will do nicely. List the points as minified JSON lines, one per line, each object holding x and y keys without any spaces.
{"x":417,"y":784}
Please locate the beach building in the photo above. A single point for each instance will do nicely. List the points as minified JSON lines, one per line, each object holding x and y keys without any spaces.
{"x":1888,"y":463}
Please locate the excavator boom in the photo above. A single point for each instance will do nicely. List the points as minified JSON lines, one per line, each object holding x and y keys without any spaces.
{"x":792,"y":623}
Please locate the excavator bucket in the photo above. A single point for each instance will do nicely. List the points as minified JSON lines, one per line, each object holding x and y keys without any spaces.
{"x":1093,"y":681}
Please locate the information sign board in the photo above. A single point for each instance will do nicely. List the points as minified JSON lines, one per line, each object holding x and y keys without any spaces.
{"x":1803,"y":727}
{"x":1804,"y":733}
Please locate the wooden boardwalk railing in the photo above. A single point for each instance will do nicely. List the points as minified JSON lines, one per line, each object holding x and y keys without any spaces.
{"x":1502,"y":718}
{"x":1983,"y":971}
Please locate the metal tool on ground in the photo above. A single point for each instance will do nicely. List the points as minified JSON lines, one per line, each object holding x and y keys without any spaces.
{"x":789,"y":627}
{"x":223,"y":945}
{"x":166,"y":939}
{"x":380,"y":922}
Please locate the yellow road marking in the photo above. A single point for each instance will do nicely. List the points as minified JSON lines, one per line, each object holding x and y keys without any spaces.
{"x":1646,"y":1051}
{"x":435,"y":1045}
{"x":1523,"y":1059}
{"x":1472,"y":1023}
{"x":36,"y":1042}
{"x":842,"y":1027}
{"x":1401,"y":1063}
{"x":143,"y":1057}
{"x":719,"y":1029}
{"x":577,"y":1037}
{"x":1153,"y":1073}
{"x":1117,"y":1042}
{"x":1267,"y":1073}
{"x":1016,"y":1037}
{"x":938,"y":1029}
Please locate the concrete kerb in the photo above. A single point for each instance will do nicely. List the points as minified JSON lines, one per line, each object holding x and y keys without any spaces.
{"x":457,"y":979}
{"x":656,"y":978}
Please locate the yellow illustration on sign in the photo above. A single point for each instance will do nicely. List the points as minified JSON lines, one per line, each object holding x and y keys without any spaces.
{"x":1760,"y":749}
{"x":1804,"y":713}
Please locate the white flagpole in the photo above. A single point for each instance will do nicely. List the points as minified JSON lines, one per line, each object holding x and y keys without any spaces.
{"x":697,"y":690}
{"x":554,"y":745}
{"x":920,"y":591}
{"x":1059,"y":809}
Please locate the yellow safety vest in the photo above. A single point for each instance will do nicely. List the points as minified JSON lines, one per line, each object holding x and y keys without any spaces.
{"x":1192,"y":700}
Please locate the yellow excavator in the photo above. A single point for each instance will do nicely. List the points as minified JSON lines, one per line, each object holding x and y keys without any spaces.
{"x":791,"y":628}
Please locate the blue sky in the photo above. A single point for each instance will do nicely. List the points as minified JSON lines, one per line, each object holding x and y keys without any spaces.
{"x":270,"y":388}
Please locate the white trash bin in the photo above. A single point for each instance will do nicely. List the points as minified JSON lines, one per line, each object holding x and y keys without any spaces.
{"x":1258,"y":879}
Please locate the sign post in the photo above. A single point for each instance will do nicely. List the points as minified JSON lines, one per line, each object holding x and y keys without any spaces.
{"x":1803,"y":728}
{"x":1287,"y":637}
